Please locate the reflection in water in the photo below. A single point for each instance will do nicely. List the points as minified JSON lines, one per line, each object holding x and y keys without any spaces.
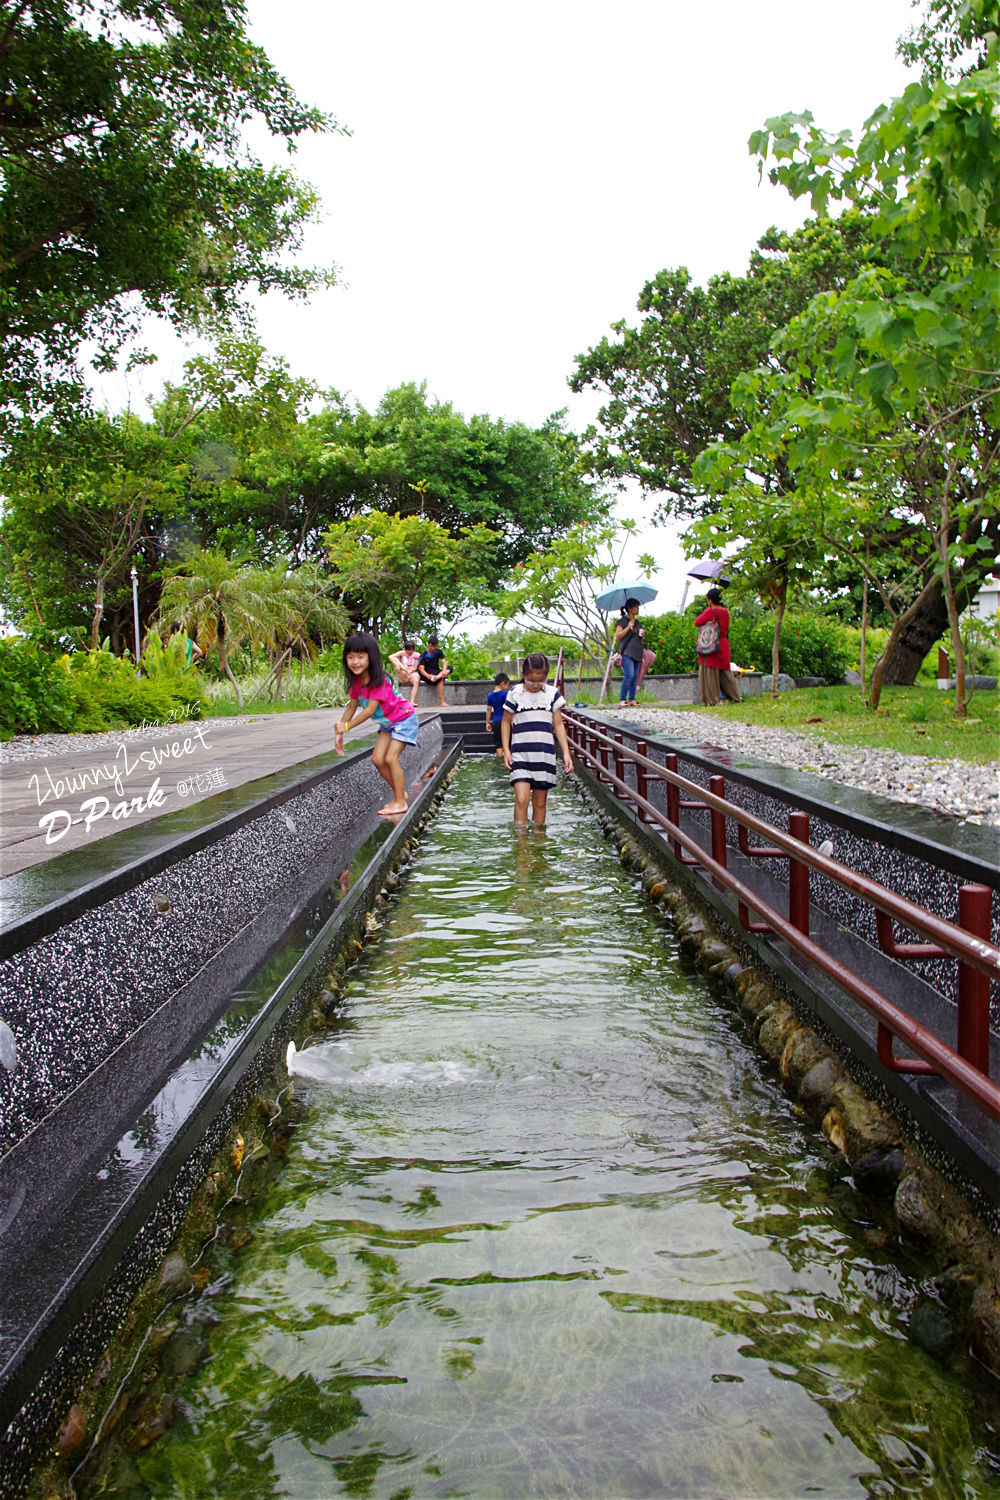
{"x":547,"y":1230}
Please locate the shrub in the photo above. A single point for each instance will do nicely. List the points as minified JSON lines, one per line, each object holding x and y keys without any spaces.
{"x":109,"y":695}
{"x":469,"y":660}
{"x":35,"y":692}
{"x":811,"y":645}
{"x":672,"y":637}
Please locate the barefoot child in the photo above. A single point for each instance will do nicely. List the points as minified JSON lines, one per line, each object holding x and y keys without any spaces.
{"x":494,"y":709}
{"x":532,"y":727}
{"x":405,"y":663}
{"x":369,"y":688}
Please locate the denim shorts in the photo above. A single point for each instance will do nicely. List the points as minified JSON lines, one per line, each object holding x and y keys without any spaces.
{"x":405,"y":730}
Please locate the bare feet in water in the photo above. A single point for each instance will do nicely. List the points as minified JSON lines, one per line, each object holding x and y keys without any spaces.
{"x":392,"y":808}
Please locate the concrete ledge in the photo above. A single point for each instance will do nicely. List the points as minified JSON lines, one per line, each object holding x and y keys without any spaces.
{"x":63,"y":1296}
{"x":108,"y":985}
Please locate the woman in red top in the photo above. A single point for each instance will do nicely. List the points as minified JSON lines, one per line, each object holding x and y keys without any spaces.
{"x":713,"y":671}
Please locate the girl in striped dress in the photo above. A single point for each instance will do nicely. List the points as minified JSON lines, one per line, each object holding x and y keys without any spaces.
{"x":532,"y":727}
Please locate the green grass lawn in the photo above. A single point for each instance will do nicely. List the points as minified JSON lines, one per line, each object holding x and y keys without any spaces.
{"x":917,"y":720}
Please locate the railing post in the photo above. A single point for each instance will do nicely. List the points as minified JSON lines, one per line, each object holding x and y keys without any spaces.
{"x":717,"y":786}
{"x":974,"y":913}
{"x":673,"y":797}
{"x":798,"y":875}
{"x":619,"y":763}
{"x":641,"y":783}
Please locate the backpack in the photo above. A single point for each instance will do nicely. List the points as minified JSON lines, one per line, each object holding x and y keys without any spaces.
{"x":708,"y":637}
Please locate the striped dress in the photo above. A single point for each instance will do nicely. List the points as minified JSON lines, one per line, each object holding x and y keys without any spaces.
{"x":532,"y":741}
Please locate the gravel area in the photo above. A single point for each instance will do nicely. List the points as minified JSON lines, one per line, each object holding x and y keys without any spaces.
{"x":966,"y":791}
{"x":27,"y":747}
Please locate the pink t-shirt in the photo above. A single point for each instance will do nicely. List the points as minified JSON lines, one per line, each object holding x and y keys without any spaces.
{"x":392,"y":709}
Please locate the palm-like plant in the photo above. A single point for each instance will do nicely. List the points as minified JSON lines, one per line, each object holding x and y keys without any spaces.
{"x":225,"y":600}
{"x":303,"y":611}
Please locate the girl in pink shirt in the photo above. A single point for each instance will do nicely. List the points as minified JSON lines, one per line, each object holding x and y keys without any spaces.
{"x":370,"y":689}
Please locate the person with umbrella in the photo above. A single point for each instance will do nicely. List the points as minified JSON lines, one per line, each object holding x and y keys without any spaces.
{"x":714,"y":660}
{"x":629,"y":636}
{"x":627,"y":597}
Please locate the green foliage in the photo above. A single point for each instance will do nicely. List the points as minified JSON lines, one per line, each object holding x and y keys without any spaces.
{"x":35,"y":692}
{"x":470,"y":661}
{"x":129,"y":185}
{"x":667,"y":380}
{"x":405,"y":571}
{"x":672,"y":637}
{"x":90,"y":690}
{"x":311,"y":688}
{"x":414,"y":457}
{"x":554,"y":588}
{"x":512,"y":641}
{"x":811,"y":645}
{"x":109,"y":695}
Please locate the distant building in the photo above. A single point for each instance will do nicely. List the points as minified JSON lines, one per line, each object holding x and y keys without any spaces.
{"x":986,"y":604}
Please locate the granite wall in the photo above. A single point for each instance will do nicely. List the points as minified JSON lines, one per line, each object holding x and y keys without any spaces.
{"x":102,"y":1007}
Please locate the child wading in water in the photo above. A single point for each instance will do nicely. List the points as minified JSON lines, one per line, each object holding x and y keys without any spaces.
{"x":494,"y":710}
{"x":532,"y":727}
{"x":369,"y":688}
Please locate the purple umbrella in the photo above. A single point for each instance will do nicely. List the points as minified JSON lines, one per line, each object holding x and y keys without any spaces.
{"x":708,"y":569}
{"x":705,"y":569}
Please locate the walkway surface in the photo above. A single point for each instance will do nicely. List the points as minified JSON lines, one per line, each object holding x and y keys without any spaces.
{"x":56,"y":803}
{"x":62,"y":792}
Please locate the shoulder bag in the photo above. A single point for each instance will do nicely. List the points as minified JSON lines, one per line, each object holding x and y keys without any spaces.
{"x":708,"y":637}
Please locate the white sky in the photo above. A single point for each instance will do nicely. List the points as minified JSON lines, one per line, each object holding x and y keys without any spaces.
{"x":516,"y":172}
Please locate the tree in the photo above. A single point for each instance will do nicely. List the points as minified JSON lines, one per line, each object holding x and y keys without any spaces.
{"x":413,"y":456}
{"x":129,"y":186}
{"x":668,"y":380}
{"x":223,"y":601}
{"x":925,"y":356}
{"x":890,"y":439}
{"x":86,"y":497}
{"x":402,"y":571}
{"x":554,"y":589}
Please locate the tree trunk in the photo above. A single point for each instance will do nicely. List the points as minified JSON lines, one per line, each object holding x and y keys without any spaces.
{"x":931,"y":620}
{"x":864,"y":636}
{"x":224,"y":659}
{"x":779,"y":615}
{"x":961,"y":707}
{"x":98,"y":616}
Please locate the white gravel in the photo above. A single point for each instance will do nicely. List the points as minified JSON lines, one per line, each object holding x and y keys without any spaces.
{"x":46,"y":746}
{"x":958,"y":787}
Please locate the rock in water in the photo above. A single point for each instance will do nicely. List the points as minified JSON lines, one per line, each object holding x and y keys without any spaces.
{"x":8,"y":1048}
{"x":72,"y":1432}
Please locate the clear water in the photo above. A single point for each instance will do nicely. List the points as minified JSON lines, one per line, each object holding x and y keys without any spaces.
{"x":548,"y":1229}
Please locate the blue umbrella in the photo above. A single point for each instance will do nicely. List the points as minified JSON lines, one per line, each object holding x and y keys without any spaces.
{"x":615,"y":596}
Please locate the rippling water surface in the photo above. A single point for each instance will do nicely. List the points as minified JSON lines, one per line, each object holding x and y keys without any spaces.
{"x":547,"y":1229}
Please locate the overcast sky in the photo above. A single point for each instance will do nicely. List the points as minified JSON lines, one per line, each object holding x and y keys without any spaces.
{"x":516,"y":172}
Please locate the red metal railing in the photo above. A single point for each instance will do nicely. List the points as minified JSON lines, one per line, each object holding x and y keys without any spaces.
{"x":969,"y":943}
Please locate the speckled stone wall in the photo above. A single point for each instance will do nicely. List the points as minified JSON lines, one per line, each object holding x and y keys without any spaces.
{"x":102,"y":1007}
{"x":291,"y":848}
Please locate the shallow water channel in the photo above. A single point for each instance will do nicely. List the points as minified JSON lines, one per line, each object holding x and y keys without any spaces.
{"x":549,"y":1227}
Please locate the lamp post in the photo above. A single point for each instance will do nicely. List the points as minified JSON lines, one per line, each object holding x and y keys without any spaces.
{"x":135,"y":614}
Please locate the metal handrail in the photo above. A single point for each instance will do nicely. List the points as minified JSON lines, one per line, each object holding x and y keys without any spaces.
{"x":954,"y":940}
{"x":982,"y":955}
